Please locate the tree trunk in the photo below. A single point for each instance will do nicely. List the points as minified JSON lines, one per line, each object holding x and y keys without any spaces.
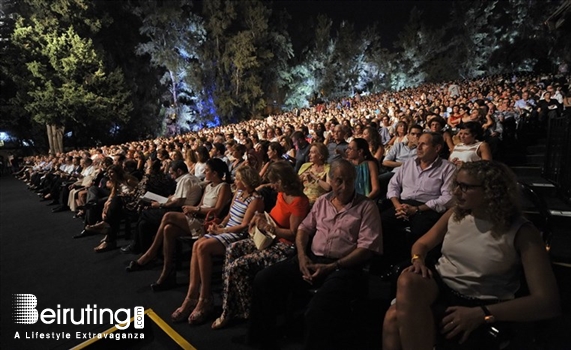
{"x":174,"y":92}
{"x":55,"y":138}
{"x":50,"y":138}
{"x":59,"y":138}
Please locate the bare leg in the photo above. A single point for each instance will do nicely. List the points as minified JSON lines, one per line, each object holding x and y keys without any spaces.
{"x":191,"y":298}
{"x":170,"y":234}
{"x":204,"y":252}
{"x":391,"y":336}
{"x":416,"y":326}
{"x":169,"y":218}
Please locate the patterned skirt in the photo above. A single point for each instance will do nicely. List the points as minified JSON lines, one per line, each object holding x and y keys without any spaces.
{"x":243,"y":262}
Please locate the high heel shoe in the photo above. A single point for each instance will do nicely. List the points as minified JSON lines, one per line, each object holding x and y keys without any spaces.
{"x":183,"y":312}
{"x":168,"y":283}
{"x":199,"y":316}
{"x":220,"y":322}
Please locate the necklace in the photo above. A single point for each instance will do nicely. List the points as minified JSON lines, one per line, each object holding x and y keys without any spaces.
{"x":245,"y":195}
{"x":317,"y":168}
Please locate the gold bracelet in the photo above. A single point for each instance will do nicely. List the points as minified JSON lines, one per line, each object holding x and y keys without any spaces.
{"x":415,"y":257}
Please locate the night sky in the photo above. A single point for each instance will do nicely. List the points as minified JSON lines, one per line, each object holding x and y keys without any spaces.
{"x":391,"y":16}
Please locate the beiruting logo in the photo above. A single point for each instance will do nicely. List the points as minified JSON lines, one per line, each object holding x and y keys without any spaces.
{"x":25,"y":312}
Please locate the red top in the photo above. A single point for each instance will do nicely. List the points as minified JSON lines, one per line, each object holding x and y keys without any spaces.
{"x":282,"y":211}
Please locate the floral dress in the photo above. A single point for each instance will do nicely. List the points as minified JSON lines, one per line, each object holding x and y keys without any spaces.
{"x":244,"y":260}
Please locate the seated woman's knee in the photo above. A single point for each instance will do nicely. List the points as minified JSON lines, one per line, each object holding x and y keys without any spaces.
{"x":170,"y":231}
{"x":411,"y":283}
{"x":206,"y":245}
{"x":390,"y":317}
{"x":169,"y":216}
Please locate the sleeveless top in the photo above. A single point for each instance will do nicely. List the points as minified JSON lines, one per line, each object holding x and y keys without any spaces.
{"x":239,"y":208}
{"x":478,"y":264}
{"x":466,"y":153}
{"x":282,"y":211}
{"x":363,"y":180}
{"x":210,"y":196}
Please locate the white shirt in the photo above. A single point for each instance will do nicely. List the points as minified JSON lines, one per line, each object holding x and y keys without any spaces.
{"x":188,"y":187}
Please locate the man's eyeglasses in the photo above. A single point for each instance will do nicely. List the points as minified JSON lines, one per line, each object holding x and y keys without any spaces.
{"x":464,"y":186}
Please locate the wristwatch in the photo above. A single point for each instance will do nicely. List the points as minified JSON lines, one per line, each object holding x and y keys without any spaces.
{"x":488,"y":317}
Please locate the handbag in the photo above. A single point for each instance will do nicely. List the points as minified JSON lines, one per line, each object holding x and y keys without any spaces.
{"x":262,"y":239}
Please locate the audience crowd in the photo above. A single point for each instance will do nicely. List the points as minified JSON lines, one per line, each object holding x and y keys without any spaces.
{"x":332,"y":187}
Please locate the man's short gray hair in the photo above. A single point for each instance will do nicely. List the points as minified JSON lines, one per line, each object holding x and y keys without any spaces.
{"x":345,"y":165}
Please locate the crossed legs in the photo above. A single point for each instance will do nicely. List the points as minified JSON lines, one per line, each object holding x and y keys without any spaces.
{"x":409,"y":323}
{"x":172,"y":225}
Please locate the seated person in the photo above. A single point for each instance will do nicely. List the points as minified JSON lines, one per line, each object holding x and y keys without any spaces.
{"x":367,"y":181}
{"x":485,"y":243}
{"x":398,"y":154}
{"x":84,"y":180}
{"x":339,"y":235}
{"x":375,"y":146}
{"x":338,"y":146}
{"x":244,"y":260}
{"x":275,"y":153}
{"x":96,"y":194}
{"x":123,"y":186}
{"x":238,"y":152}
{"x":437,"y":124}
{"x":419,"y":193}
{"x":216,"y":196}
{"x":198,"y":302}
{"x":313,"y":174}
{"x":302,"y":149}
{"x":470,"y":149}
{"x":188,"y":192}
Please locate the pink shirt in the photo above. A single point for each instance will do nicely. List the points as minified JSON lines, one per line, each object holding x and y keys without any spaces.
{"x":338,"y":233}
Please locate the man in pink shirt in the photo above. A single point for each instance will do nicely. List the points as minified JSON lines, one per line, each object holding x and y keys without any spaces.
{"x":337,"y":238}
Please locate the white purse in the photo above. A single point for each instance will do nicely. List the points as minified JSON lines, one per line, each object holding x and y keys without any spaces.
{"x":261,"y":239}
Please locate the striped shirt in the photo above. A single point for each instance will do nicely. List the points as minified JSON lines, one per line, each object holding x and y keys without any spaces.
{"x":239,"y":208}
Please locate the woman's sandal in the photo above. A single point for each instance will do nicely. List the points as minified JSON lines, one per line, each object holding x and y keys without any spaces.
{"x":199,"y":316}
{"x":220,"y":322}
{"x":182,"y":313}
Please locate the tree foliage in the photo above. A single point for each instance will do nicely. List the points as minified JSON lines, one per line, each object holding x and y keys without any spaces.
{"x":97,"y":66}
{"x":68,"y":82}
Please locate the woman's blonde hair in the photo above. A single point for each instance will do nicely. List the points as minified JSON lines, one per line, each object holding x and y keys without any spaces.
{"x":249,"y":176}
{"x":501,"y":192}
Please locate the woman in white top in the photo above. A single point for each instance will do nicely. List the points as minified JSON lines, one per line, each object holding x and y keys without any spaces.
{"x":199,"y":167}
{"x":470,"y":149}
{"x":216,"y":196}
{"x":486,"y":243}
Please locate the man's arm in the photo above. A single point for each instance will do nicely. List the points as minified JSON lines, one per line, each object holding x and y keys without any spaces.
{"x":442,"y":203}
{"x":395,"y":185}
{"x":389,"y":160}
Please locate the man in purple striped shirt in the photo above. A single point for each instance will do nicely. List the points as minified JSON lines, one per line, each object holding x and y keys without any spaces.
{"x":420,"y":193}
